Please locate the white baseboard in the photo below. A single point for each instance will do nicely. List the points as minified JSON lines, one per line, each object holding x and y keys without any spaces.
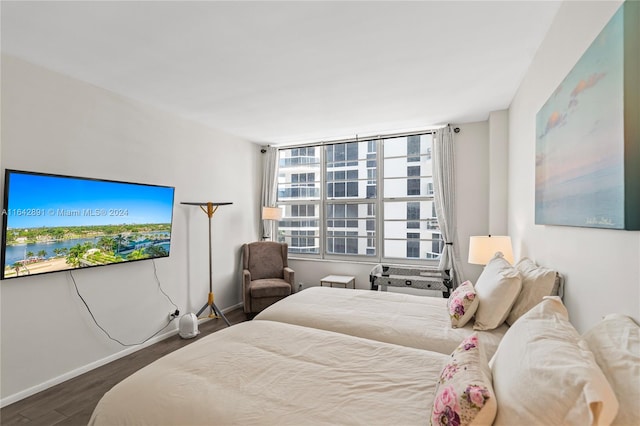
{"x":91,"y":366}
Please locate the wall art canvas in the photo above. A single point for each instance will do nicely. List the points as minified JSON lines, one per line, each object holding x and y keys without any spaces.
{"x":586,"y":135}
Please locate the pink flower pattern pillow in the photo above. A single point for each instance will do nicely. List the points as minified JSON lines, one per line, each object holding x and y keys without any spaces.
{"x":464,"y":394}
{"x":462,"y":304}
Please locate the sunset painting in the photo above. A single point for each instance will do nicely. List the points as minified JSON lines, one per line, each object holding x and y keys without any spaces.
{"x":580,"y":139}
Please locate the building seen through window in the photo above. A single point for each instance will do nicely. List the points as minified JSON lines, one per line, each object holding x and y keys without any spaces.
{"x":371,"y":198}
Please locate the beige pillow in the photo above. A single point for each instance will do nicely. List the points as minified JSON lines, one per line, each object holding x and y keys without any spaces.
{"x":537,"y":282}
{"x":462,"y":304}
{"x":464,"y":395}
{"x":615,"y":343}
{"x":497,"y":289}
{"x":543,"y":375}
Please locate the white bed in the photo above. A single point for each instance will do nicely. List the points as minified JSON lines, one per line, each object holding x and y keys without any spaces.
{"x":369,"y":366}
{"x":265,"y":372}
{"x":272,"y":373}
{"x":408,"y":320}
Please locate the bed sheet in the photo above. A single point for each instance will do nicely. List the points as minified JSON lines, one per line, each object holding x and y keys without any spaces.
{"x":415,"y":321}
{"x":265,"y":372}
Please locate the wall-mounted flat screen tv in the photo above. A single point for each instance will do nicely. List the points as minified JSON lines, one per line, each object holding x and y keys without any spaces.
{"x":56,"y":223}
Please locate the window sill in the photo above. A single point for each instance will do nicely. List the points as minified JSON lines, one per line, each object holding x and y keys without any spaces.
{"x":399,"y":262}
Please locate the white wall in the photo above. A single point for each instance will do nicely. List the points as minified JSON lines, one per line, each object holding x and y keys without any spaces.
{"x":472,"y":185}
{"x":55,"y":124}
{"x":498,"y":171}
{"x":601,"y":266}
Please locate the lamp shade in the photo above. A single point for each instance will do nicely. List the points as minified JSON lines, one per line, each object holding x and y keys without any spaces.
{"x":483,"y":247}
{"x":271,"y":213}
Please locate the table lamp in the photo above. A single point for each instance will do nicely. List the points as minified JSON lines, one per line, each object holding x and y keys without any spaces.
{"x":483,"y":247}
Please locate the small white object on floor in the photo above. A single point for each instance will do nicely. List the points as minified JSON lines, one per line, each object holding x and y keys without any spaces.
{"x":188,"y":326}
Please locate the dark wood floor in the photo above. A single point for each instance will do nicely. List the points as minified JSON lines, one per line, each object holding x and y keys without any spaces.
{"x":72,"y":402}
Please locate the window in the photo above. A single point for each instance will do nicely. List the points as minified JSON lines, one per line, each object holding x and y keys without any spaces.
{"x":339,"y":202}
{"x":413,"y":215}
{"x":349,"y":214}
{"x":407,"y":184}
{"x":301,"y":242}
{"x":413,"y":186}
{"x":413,"y":148}
{"x":371,"y":191}
{"x":299,"y":197}
{"x":413,"y":245}
{"x":436,"y":247}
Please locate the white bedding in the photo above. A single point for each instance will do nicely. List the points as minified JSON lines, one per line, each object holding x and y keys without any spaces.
{"x":408,"y":320}
{"x":265,"y":372}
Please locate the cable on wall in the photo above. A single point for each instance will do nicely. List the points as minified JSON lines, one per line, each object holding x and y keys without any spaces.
{"x":105,"y":331}
{"x":155,"y":274}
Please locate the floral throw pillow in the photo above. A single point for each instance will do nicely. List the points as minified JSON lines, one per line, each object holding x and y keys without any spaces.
{"x":462,"y":304}
{"x":464,"y":395}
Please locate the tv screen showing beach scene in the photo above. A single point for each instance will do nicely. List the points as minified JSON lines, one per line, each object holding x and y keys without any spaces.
{"x":56,"y":223}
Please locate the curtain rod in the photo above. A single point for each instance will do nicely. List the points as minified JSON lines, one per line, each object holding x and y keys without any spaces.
{"x":356,"y":139}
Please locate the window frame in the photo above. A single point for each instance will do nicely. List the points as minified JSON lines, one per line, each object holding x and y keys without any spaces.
{"x":378,"y":202}
{"x":413,"y":160}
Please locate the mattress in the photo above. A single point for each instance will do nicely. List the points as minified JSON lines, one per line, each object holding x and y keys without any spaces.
{"x":265,"y":372}
{"x":402,"y":319}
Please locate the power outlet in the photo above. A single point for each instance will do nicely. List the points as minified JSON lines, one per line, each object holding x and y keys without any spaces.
{"x":173,"y":315}
{"x":300,"y":286}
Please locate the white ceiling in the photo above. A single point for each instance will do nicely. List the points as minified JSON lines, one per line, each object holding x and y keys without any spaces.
{"x":278,"y":72}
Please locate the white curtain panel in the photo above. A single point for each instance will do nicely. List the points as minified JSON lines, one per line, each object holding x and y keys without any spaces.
{"x":444,"y":194}
{"x":269,"y":187}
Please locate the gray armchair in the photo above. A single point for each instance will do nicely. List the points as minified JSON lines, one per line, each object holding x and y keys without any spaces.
{"x":266,"y":277}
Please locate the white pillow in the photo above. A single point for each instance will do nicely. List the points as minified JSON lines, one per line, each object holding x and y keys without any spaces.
{"x":615,"y":343}
{"x":462,"y":304}
{"x":544,"y":374}
{"x":464,"y":395}
{"x":537,"y":282}
{"x":496,"y":289}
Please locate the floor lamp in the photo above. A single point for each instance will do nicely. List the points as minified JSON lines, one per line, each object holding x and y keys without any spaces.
{"x":272,"y":214}
{"x":210,"y":210}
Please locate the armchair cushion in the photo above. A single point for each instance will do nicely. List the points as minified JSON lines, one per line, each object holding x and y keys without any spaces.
{"x":270,"y":287}
{"x":265,"y":260}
